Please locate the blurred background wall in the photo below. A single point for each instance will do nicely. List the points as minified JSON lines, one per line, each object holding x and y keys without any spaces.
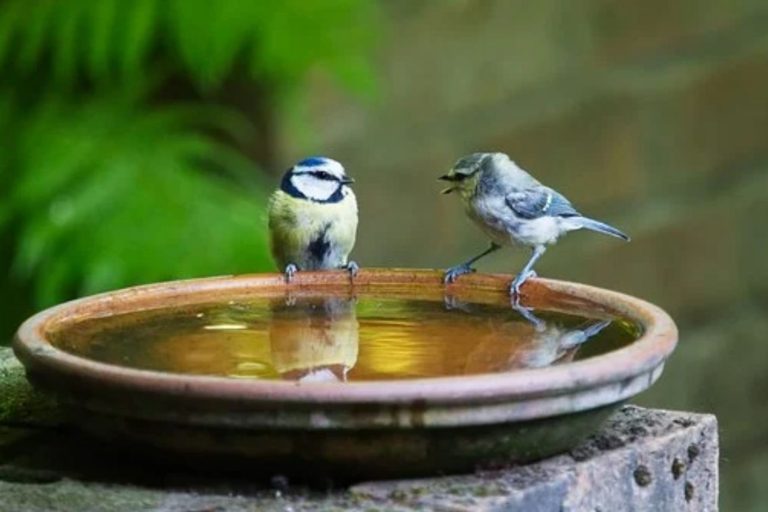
{"x":138,"y":144}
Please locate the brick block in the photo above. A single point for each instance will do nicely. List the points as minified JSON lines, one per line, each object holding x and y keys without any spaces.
{"x":718,"y":367}
{"x":641,"y":460}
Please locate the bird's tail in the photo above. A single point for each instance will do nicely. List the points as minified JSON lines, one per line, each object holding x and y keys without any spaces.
{"x":602,"y":227}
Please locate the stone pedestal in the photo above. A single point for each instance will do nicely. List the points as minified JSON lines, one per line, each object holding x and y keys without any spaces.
{"x":640,"y":460}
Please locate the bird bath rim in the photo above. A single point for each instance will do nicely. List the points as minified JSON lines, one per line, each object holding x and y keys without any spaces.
{"x":449,"y":401}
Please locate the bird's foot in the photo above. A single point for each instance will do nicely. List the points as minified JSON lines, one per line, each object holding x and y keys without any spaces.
{"x":453,"y":273}
{"x":353,"y":268}
{"x":290,"y":271}
{"x":517,"y":283}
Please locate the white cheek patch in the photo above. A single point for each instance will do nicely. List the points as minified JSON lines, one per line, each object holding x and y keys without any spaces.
{"x":314,"y":188}
{"x":334,"y":167}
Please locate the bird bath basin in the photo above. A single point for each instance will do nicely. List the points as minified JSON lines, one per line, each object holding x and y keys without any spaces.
{"x":396,"y":375}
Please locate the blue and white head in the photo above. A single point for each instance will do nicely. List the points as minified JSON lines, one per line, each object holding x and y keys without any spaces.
{"x":318,"y":179}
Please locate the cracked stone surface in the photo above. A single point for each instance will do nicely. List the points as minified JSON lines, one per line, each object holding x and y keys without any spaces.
{"x":642,"y":459}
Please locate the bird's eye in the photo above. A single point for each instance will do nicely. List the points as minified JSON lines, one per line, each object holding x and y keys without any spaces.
{"x":461,"y":176}
{"x":323,"y":175}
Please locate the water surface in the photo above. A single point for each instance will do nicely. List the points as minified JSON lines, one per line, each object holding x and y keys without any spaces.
{"x":342,"y":339}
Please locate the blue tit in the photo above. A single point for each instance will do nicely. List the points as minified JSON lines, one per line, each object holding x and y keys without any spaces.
{"x":313,"y":218}
{"x":513,"y":208}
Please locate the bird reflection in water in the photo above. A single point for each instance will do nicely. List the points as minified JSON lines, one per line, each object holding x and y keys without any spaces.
{"x":534,"y":342}
{"x":314,"y":339}
{"x":318,"y":339}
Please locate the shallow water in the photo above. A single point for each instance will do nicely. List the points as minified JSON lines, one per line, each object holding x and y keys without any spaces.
{"x":342,"y":339}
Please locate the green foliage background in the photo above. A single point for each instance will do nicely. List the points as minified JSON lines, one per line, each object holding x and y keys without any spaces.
{"x":121,"y":156}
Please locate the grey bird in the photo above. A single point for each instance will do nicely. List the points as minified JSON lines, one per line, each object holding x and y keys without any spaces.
{"x":513,"y":208}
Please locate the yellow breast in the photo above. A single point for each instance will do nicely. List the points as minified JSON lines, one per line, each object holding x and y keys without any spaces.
{"x":295,"y":224}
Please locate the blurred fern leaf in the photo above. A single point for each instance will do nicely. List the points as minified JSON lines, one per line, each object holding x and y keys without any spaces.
{"x":115,"y":195}
{"x":111,"y":40}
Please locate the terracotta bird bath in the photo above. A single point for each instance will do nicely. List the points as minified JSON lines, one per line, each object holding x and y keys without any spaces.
{"x":318,"y":384}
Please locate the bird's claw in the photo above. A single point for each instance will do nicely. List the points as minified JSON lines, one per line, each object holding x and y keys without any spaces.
{"x":453,"y":273}
{"x":353,"y":268}
{"x":290,"y":271}
{"x":514,"y":288}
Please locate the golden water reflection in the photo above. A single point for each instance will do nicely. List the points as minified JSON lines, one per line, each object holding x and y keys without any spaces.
{"x":332,"y":339}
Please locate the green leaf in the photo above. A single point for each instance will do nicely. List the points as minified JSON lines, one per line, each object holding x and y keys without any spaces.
{"x":295,"y":37}
{"x":34,"y":31}
{"x":10,"y":20}
{"x":66,"y":33}
{"x":103,"y":205}
{"x":139,"y":22}
{"x":209,"y":40}
{"x":103,"y":18}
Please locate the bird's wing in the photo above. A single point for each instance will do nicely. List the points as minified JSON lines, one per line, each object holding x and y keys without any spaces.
{"x":531,"y":203}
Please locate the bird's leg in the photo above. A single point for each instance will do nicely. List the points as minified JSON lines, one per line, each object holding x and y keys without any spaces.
{"x":450,"y":302}
{"x":526,"y":273}
{"x":538,"y":324}
{"x":452,"y":273}
{"x":290,"y":270}
{"x":352,"y":267}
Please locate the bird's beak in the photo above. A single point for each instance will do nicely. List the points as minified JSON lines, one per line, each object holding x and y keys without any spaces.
{"x":447,"y":177}
{"x":346,"y":180}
